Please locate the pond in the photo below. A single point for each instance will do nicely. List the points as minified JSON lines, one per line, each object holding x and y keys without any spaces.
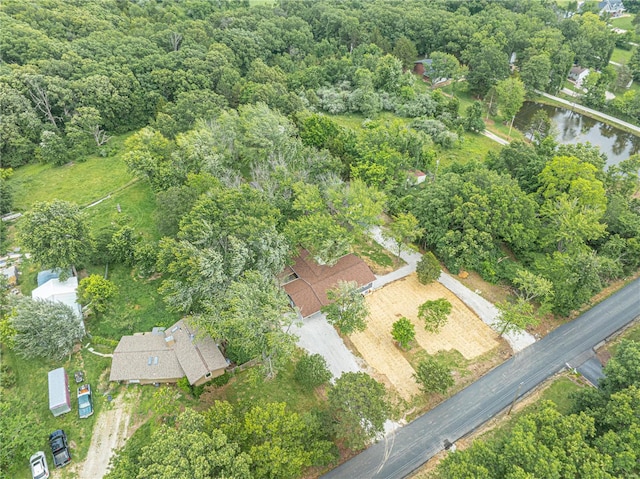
{"x":572,"y":127}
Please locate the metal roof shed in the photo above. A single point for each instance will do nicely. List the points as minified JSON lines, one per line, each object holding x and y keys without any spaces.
{"x":59,"y":399}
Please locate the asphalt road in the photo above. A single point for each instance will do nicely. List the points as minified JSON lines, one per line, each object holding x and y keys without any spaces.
{"x":399,"y":455}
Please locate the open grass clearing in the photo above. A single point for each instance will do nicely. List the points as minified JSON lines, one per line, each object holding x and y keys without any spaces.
{"x":136,"y":308}
{"x":137,"y":203}
{"x":80,"y":182}
{"x":623,"y":23}
{"x":621,"y":56}
{"x":464,"y":332}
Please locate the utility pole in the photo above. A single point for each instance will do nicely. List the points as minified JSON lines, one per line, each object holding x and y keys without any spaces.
{"x":515,"y":398}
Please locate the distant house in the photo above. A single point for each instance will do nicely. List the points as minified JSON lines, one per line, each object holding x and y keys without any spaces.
{"x":11,"y":273}
{"x":165,"y":356}
{"x":577,"y":74}
{"x":613,"y":8}
{"x":415,"y":177}
{"x":307,"y":282}
{"x":424,"y":68}
{"x":60,"y":291}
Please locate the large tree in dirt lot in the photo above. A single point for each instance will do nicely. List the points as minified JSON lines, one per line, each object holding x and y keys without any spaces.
{"x":403,"y":332}
{"x":432,"y":376}
{"x":348,"y":310}
{"x":56,"y":235}
{"x":360,"y":407}
{"x":45,"y":329}
{"x":434,"y":314}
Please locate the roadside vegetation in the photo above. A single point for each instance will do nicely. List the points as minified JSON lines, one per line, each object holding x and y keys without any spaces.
{"x":177,"y":156}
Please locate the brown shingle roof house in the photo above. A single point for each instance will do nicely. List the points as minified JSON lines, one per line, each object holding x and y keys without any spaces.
{"x":165,"y":356}
{"x":307,"y":282}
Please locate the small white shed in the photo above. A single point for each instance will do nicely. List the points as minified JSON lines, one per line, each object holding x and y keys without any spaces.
{"x":59,"y":399}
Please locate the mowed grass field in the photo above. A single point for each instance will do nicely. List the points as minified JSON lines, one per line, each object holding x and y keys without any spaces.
{"x":81,"y":182}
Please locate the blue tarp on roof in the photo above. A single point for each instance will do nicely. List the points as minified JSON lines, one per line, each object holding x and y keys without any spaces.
{"x":48,"y":274}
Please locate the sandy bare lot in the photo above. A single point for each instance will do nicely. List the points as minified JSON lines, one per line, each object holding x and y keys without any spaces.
{"x":464,"y":331}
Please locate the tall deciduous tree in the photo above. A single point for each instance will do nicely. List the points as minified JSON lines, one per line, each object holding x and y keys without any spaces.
{"x":56,"y":234}
{"x":405,"y":50}
{"x":403,"y":332}
{"x":312,"y":371}
{"x":253,"y":317}
{"x":360,"y":407}
{"x":96,"y":291}
{"x":428,"y":268}
{"x":515,"y":316}
{"x":45,"y":329}
{"x":403,"y":230}
{"x":348,"y":309}
{"x":432,"y":376}
{"x":186,"y":450}
{"x":510,"y":98}
{"x":279,"y":442}
{"x":435,"y":314}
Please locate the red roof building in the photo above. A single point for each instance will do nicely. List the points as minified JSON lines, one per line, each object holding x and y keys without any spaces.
{"x":307,"y":282}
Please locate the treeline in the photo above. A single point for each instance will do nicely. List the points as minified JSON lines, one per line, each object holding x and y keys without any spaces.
{"x":551,"y":210}
{"x":599,"y":438}
{"x":74,"y":73}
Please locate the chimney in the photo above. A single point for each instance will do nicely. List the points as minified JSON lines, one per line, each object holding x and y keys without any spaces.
{"x":170,"y":341}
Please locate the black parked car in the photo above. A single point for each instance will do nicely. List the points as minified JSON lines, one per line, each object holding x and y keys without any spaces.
{"x":59,"y":448}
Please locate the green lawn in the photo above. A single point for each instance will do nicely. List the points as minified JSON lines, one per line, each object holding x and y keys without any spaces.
{"x":621,"y":56}
{"x":624,"y":23}
{"x":31,"y":387}
{"x":137,"y":307}
{"x":137,"y":202}
{"x":78,"y":182}
{"x":473,"y":147}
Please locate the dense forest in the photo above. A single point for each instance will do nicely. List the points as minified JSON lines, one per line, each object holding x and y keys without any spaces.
{"x":232,"y":114}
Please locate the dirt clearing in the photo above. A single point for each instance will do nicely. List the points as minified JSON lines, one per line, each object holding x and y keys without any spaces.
{"x":464,"y":331}
{"x":109,"y":434}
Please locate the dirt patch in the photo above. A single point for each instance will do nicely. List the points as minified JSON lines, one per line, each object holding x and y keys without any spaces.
{"x":491,"y":292}
{"x":464,"y":331}
{"x":109,"y":433}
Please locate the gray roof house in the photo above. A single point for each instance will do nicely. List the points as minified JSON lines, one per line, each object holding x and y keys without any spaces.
{"x":613,"y":8}
{"x":165,"y":356}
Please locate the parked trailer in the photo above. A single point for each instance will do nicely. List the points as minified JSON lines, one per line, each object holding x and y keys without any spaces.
{"x":59,"y":398}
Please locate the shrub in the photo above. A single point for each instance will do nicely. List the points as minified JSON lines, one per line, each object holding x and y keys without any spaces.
{"x":311,"y":371}
{"x":428,"y":268}
{"x":404,"y":332}
{"x":432,"y":376}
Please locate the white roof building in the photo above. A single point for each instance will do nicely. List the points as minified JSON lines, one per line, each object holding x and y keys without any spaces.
{"x":61,"y":291}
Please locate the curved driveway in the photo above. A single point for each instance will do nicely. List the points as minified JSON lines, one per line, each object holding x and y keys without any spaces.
{"x":402,"y":453}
